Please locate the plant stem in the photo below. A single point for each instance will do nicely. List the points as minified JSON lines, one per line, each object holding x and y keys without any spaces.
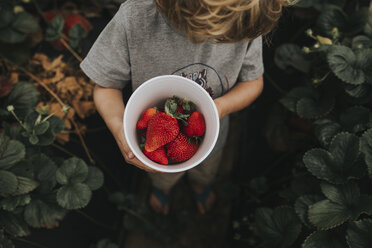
{"x":40,"y":82}
{"x":81,"y":140}
{"x":274,"y":84}
{"x":62,"y":149}
{"x":88,"y":217}
{"x":38,"y":9}
{"x":29,"y":242}
{"x":64,"y":42}
{"x":19,"y":121}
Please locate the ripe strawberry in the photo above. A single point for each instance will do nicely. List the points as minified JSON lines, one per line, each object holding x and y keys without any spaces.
{"x":143,"y":122}
{"x":195,"y":125}
{"x":181,"y":149}
{"x":159,"y":155}
{"x":161,"y":129}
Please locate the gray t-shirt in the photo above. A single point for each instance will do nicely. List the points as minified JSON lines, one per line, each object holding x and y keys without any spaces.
{"x":139,"y":43}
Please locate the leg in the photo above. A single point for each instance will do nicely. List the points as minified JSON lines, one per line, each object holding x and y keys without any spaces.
{"x":162,"y":184}
{"x":201,"y":177}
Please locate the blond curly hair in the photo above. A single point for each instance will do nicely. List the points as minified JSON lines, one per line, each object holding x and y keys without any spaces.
{"x":222,"y":21}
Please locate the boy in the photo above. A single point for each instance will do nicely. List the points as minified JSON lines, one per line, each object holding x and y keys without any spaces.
{"x":216,"y":43}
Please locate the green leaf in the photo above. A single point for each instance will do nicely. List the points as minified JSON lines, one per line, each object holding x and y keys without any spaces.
{"x":95,"y":178}
{"x":361,"y":41}
{"x":308,"y":103}
{"x":13,"y":224}
{"x":293,"y":96}
{"x":33,"y":139}
{"x":106,"y":243}
{"x":325,"y":130}
{"x":76,"y":33}
{"x":301,"y":185}
{"x":8,"y":182}
{"x":170,"y":106}
{"x":329,"y":19}
{"x":338,"y":165}
{"x":45,"y":172}
{"x":357,"y":21}
{"x":359,"y":233}
{"x":74,"y":196}
{"x":24,"y":98}
{"x":11,"y":151}
{"x":319,"y":4}
{"x":288,"y":54}
{"x":311,"y":108}
{"x":25,"y":185}
{"x":368,"y":27}
{"x":12,"y":202}
{"x":41,"y":128}
{"x":358,"y":91}
{"x":24,"y":22}
{"x":56,"y":124}
{"x":366,"y":148}
{"x":356,"y":119}
{"x":279,"y":227}
{"x":55,"y":28}
{"x":40,"y":214}
{"x":344,"y":203}
{"x":302,"y":206}
{"x":73,"y":170}
{"x":6,"y":15}
{"x":9,"y":35}
{"x":346,"y":65}
{"x":345,"y":194}
{"x":324,"y":239}
{"x":5,"y":242}
{"x":327,"y":215}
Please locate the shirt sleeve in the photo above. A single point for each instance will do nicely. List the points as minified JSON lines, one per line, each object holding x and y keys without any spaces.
{"x":107,"y":62}
{"x":252,"y":67}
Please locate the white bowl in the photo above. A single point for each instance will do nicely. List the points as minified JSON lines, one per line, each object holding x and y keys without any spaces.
{"x":156,"y":90}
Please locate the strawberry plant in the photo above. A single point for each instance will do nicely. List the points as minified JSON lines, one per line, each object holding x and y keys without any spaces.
{"x":329,"y":201}
{"x":37,"y":187}
{"x":41,"y":100}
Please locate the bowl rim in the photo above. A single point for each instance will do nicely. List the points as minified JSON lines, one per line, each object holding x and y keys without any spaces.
{"x":170,"y":168}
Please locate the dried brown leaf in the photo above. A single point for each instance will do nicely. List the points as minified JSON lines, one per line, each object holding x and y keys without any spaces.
{"x":55,"y":76}
{"x":69,"y":89}
{"x":45,"y":62}
{"x":84,"y":108}
{"x":63,"y":138}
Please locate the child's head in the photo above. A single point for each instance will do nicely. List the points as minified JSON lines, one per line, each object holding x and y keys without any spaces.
{"x":222,"y":20}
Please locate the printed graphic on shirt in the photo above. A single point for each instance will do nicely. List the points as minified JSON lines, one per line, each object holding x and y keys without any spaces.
{"x":205,"y":76}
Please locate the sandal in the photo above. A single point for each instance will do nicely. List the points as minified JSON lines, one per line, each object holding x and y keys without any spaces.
{"x":161,"y":197}
{"x":203,"y":197}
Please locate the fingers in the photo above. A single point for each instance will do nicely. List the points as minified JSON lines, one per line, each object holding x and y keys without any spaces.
{"x":131,"y":159}
{"x":129,"y":155}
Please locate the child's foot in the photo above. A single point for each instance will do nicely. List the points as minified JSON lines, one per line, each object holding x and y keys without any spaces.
{"x":159,"y":201}
{"x":204,"y":197}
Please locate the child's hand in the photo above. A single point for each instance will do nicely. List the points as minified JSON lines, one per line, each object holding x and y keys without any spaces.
{"x":128,"y":154}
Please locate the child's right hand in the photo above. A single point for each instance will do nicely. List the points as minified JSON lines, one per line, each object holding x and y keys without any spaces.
{"x":127,"y":153}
